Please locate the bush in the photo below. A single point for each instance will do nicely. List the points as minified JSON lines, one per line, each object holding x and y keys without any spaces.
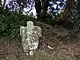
{"x":10,"y":23}
{"x":75,"y":19}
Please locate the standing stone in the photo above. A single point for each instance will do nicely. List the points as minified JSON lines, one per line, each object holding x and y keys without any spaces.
{"x":30,"y":37}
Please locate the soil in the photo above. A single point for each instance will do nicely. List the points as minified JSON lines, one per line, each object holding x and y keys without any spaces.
{"x":52,"y":40}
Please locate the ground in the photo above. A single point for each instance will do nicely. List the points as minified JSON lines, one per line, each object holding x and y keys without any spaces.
{"x":51,"y":47}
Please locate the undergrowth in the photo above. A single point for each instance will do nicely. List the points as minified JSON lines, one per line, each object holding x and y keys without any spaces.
{"x":10,"y":23}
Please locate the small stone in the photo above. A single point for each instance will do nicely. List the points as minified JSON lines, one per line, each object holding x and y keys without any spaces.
{"x":31,"y":52}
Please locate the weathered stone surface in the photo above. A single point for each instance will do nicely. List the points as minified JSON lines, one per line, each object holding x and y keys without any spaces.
{"x":30,"y":37}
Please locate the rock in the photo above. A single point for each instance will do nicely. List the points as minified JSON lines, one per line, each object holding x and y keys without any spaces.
{"x":30,"y":37}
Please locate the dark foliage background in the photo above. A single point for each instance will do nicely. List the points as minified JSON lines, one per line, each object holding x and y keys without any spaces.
{"x":10,"y":22}
{"x":75,"y":19}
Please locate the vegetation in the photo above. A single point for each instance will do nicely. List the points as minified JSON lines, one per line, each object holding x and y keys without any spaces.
{"x":10,"y":23}
{"x":76,"y":19}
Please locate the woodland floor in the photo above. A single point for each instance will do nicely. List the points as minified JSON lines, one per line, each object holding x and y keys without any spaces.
{"x":51,"y":44}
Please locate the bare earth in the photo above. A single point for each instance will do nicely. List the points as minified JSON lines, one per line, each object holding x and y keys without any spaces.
{"x":51,"y":46}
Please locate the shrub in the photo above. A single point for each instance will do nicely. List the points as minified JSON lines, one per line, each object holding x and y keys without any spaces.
{"x":10,"y":23}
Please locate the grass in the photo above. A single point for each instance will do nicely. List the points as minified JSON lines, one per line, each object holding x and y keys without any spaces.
{"x":9,"y":26}
{"x":60,"y":54}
